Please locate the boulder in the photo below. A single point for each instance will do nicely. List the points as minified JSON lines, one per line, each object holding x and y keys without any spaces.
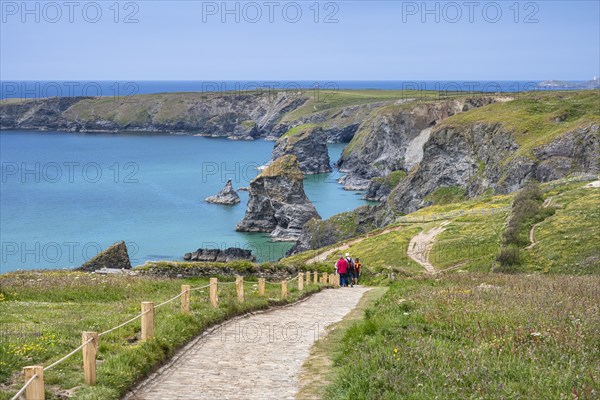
{"x":277,"y":203}
{"x":114,"y":257}
{"x":218,"y":255}
{"x":227,"y":196}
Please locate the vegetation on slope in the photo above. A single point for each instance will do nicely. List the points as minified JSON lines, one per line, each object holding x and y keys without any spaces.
{"x":527,"y":209}
{"x":475,"y":336}
{"x":567,"y":241}
{"x":286,"y":165}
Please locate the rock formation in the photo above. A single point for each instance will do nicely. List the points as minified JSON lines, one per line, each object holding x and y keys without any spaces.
{"x":277,"y":203}
{"x":309,"y":144}
{"x":114,"y":257}
{"x":237,"y":116}
{"x":494,"y":149}
{"x":484,"y":156}
{"x":218,"y":255}
{"x":380,"y":145}
{"x":227,"y":196}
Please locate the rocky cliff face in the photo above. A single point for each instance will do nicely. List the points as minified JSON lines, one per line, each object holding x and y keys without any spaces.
{"x":277,"y":203}
{"x":483,"y":157}
{"x":227,"y":196}
{"x":380,"y":145}
{"x":238,"y":116}
{"x":339,"y":125}
{"x":308,"y":144}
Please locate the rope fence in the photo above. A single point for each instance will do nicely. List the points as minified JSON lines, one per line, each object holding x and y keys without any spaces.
{"x":34,"y":388}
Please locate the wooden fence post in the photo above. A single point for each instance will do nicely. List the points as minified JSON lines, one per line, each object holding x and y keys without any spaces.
{"x":214,"y":298}
{"x":89,"y":357}
{"x":315,"y":277}
{"x":239,"y":287}
{"x":147,"y":320}
{"x":324,"y":278}
{"x":261,"y":286}
{"x":35,"y":391}
{"x":337,"y":280}
{"x":185,"y":299}
{"x":300,"y":281}
{"x":330,"y":281}
{"x":284,"y":289}
{"x":308,"y":277}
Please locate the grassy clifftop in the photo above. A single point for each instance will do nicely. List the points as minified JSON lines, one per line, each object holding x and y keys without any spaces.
{"x":535,"y":118}
{"x":287,"y":166}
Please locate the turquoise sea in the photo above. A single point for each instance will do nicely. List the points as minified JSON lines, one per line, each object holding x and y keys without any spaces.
{"x":64,"y":197}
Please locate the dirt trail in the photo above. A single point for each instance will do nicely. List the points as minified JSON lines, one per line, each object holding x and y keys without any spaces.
{"x":420,"y":246}
{"x":256,"y":357}
{"x":547,"y":203}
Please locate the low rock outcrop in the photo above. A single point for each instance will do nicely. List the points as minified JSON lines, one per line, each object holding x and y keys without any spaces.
{"x":309,"y":144}
{"x":217,"y":255}
{"x":277,"y":203}
{"x":114,"y":257}
{"x":227,"y":196}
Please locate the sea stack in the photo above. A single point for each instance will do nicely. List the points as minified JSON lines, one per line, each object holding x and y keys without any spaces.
{"x":227,"y":196}
{"x":114,"y":257}
{"x":309,"y":144}
{"x":277,"y":203}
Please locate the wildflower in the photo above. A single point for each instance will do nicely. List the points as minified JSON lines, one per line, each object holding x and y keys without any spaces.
{"x":395,"y":350}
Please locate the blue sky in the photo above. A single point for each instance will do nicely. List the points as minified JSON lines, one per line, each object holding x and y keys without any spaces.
{"x":371,"y":40}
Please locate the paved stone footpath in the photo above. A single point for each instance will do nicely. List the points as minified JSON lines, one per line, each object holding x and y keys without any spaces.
{"x":254,"y":357}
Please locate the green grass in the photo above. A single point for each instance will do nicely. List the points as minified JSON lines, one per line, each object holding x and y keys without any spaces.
{"x":475,"y":336}
{"x":392,"y":179}
{"x":42,"y":315}
{"x":470,"y":240}
{"x":286,"y":165}
{"x":447,"y":195}
{"x":568,"y":240}
{"x":298,"y":130}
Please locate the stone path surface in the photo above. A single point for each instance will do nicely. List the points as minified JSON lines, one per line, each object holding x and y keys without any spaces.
{"x":254,"y":357}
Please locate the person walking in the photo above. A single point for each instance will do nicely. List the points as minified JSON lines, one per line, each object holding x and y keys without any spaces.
{"x":350,"y":270}
{"x":357,"y":268}
{"x":342,"y":268}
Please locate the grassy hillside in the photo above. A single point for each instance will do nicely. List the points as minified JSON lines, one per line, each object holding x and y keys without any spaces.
{"x":566,"y":241}
{"x":474,"y":336}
